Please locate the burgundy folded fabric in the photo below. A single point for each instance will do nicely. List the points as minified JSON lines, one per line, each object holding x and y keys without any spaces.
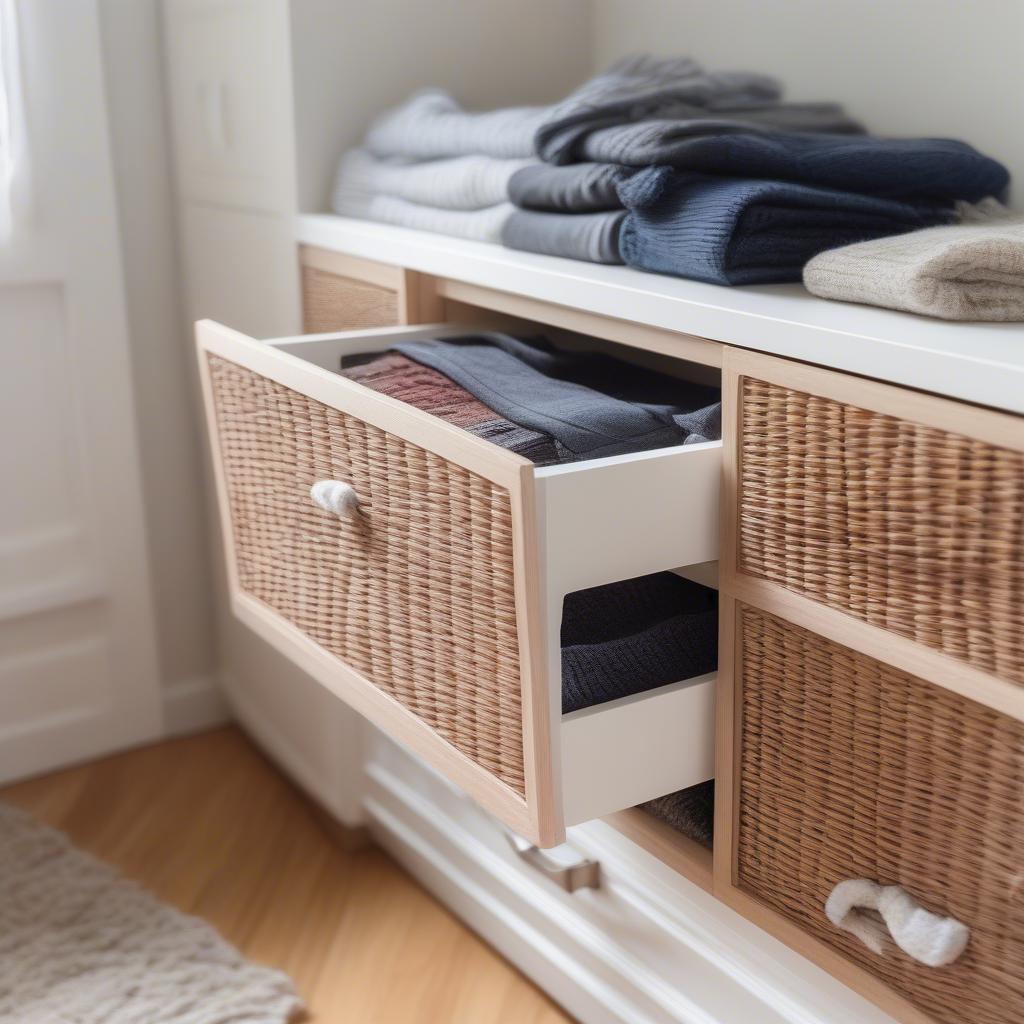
{"x":424,"y":388}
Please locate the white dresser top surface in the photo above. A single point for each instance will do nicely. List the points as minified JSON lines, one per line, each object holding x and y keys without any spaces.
{"x":981,"y":363}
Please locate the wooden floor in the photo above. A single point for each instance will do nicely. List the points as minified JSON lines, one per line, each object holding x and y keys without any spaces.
{"x":209,"y":825}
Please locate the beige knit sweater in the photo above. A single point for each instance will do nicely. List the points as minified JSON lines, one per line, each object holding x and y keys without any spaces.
{"x":968,"y":271}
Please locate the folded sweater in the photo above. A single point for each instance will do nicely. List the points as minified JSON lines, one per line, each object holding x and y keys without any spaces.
{"x":627,"y":637}
{"x":456,"y":183}
{"x":690,"y":811}
{"x":971,"y":271}
{"x":477,"y":225}
{"x":735,"y":231}
{"x":938,"y":170}
{"x":431,"y":124}
{"x":639,"y":87}
{"x":402,"y":378}
{"x":591,"y":404}
{"x":593,"y":237}
{"x":571,"y":188}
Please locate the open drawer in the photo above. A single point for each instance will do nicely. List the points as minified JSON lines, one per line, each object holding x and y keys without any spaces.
{"x":429,"y":594}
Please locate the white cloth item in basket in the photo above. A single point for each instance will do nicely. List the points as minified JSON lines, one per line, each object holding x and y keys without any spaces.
{"x":930,"y":939}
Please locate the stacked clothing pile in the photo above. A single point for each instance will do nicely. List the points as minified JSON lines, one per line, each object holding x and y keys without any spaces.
{"x":708,"y":175}
{"x":725,"y":183}
{"x":544,"y":404}
{"x":433,"y":166}
{"x":625,"y":120}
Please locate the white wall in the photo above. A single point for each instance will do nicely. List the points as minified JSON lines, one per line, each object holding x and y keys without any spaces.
{"x":160,"y":349}
{"x":354,"y":60}
{"x":912,"y":67}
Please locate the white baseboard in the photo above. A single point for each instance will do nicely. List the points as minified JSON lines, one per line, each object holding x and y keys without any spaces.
{"x":192,"y":705}
{"x":648,"y":947}
{"x":317,"y":775}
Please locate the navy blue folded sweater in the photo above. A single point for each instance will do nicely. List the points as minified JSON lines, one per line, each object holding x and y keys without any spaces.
{"x":635,"y":635}
{"x":738,"y":231}
{"x":919,"y":170}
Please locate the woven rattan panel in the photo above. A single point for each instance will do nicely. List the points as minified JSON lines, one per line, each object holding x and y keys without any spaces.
{"x":334,"y":303}
{"x":851,"y":769}
{"x":416,"y":593}
{"x":906,"y":527}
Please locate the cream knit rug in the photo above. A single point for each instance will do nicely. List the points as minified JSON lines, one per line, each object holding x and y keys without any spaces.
{"x":79,"y":944}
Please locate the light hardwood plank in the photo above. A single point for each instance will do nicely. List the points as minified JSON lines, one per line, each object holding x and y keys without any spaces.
{"x":209,"y":825}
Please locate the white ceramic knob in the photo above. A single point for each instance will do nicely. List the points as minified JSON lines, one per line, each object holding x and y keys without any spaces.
{"x":335,"y":496}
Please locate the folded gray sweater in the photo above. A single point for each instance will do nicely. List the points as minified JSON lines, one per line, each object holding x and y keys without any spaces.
{"x":654,"y":140}
{"x":456,"y":183}
{"x":431,"y":124}
{"x":593,"y":237}
{"x":643,"y":87}
{"x":969,"y":271}
{"x":477,"y":225}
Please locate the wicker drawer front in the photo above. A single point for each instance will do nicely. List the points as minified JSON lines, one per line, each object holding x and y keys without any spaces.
{"x":416,"y":594}
{"x":905,"y":526}
{"x":418,"y":574}
{"x":851,"y":769}
{"x":331,"y":302}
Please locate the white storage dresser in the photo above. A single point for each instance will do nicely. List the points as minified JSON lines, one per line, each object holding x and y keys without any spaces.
{"x":862,"y":517}
{"x":866,"y":535}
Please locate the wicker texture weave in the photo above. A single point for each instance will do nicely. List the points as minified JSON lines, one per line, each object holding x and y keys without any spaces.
{"x":334,"y":303}
{"x":851,"y":769}
{"x":912,"y":529}
{"x":416,"y":593}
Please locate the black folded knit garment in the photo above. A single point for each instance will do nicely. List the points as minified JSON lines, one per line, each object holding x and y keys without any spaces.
{"x":635,"y":635}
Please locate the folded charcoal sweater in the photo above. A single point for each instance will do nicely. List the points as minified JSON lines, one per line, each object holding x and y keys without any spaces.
{"x":736,"y":231}
{"x":640,"y":87}
{"x":572,"y":188}
{"x":627,"y":637}
{"x":590,"y":404}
